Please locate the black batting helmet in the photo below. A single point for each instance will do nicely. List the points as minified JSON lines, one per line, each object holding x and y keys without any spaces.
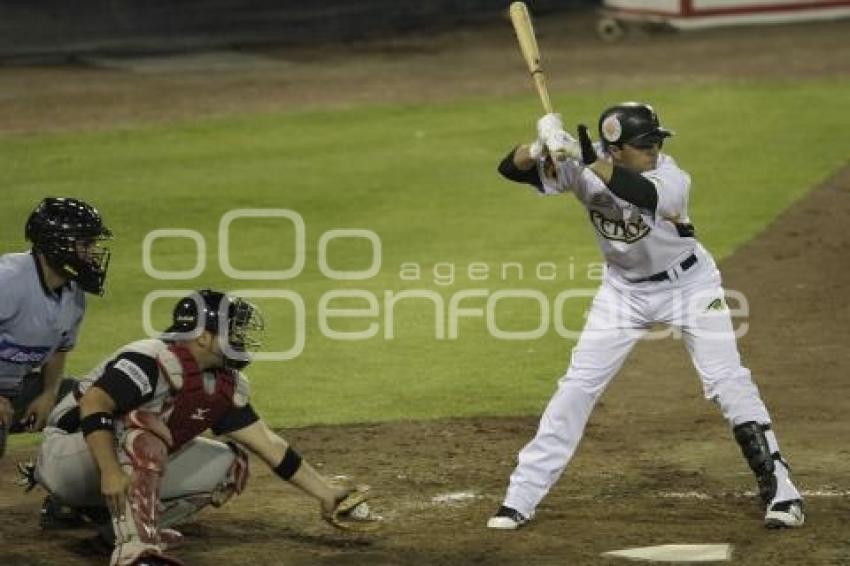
{"x":70,"y":234}
{"x":238,"y":322}
{"x":631,"y":123}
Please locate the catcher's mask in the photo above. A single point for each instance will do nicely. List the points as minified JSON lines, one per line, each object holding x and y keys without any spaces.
{"x":632,"y":123}
{"x":237,"y":323}
{"x":71,"y":235}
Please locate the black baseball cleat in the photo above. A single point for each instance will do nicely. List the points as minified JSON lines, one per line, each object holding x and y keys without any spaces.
{"x":26,"y":476}
{"x":507,"y":518}
{"x":55,"y":515}
{"x":785,"y":514}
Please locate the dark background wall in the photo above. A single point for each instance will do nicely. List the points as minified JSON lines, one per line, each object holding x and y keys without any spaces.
{"x":51,"y":27}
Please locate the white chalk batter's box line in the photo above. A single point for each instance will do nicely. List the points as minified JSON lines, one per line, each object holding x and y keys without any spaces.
{"x":467,"y":495}
{"x":748,"y":494}
{"x":813,"y":493}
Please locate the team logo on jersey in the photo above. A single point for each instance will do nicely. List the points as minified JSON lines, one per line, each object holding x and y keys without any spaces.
{"x":200,"y":414}
{"x":602,"y":200}
{"x":716,"y":305}
{"x":619,"y":230}
{"x":611,"y":128}
{"x":136,"y":374}
{"x":20,"y":354}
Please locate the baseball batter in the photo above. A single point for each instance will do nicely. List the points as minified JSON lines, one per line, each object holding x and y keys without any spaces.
{"x":657,"y":272}
{"x":127,"y":437}
{"x":42,"y":304}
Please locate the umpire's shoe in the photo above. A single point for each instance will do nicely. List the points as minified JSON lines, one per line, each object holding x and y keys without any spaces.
{"x":785,"y":514}
{"x":507,"y":518}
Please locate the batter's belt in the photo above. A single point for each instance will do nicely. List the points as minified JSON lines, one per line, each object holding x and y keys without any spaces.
{"x":686,"y":264}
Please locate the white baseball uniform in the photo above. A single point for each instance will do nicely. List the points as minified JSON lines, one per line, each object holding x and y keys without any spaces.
{"x":684,"y":291}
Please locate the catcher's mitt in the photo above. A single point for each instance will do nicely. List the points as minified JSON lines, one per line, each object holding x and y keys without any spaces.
{"x":352,"y":512}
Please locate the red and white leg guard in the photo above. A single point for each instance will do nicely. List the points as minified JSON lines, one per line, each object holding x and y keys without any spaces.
{"x":144,"y":458}
{"x":235,"y":481}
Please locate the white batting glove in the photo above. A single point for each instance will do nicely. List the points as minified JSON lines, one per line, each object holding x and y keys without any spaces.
{"x":537,"y":149}
{"x":562,"y":145}
{"x":549,"y":125}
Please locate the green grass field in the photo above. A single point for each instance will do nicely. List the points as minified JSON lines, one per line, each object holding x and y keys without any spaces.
{"x":423,"y":179}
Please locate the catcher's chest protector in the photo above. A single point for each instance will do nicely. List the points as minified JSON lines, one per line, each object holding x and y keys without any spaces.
{"x":203,"y":399}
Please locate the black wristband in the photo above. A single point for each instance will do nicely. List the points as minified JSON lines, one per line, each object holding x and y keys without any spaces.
{"x":289,"y":464}
{"x":588,"y":153}
{"x":97,"y":421}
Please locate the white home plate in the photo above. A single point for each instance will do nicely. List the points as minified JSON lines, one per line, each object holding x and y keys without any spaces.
{"x":676,"y":553}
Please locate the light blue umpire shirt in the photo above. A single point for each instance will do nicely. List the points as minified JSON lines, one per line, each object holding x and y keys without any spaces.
{"x":35,"y":321}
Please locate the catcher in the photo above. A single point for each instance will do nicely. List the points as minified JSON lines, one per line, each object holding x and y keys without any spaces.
{"x":128,"y":437}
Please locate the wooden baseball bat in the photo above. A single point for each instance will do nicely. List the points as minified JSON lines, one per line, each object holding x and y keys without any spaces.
{"x":524,"y":29}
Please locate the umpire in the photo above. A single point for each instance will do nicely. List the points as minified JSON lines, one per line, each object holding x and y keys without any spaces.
{"x":42,"y":303}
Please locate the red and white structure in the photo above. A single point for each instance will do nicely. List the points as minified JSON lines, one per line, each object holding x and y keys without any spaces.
{"x":694,"y":14}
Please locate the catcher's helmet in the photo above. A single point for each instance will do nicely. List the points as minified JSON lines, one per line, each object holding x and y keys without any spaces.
{"x":631,"y":123}
{"x":70,"y":234}
{"x":237,"y":322}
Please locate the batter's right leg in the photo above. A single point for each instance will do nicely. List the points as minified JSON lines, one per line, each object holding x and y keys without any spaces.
{"x":710,"y":339}
{"x":613,"y":326}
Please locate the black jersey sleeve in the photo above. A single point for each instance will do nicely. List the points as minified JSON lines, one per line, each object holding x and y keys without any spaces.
{"x":509,"y":170}
{"x":130,"y":379}
{"x":235,"y":419}
{"x":634,"y":188}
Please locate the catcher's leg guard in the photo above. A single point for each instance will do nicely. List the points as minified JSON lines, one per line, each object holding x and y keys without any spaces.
{"x":235,"y":480}
{"x":767,"y":463}
{"x":144,"y":457}
{"x":178,"y":509}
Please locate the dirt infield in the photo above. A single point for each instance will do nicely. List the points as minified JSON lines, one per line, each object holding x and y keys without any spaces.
{"x":658,"y":464}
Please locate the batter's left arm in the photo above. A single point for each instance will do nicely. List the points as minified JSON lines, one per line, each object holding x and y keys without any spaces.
{"x":520,"y":167}
{"x":629,"y":185}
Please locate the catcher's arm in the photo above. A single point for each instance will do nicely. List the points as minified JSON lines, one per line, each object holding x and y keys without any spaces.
{"x":336,"y":501}
{"x":114,"y":483}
